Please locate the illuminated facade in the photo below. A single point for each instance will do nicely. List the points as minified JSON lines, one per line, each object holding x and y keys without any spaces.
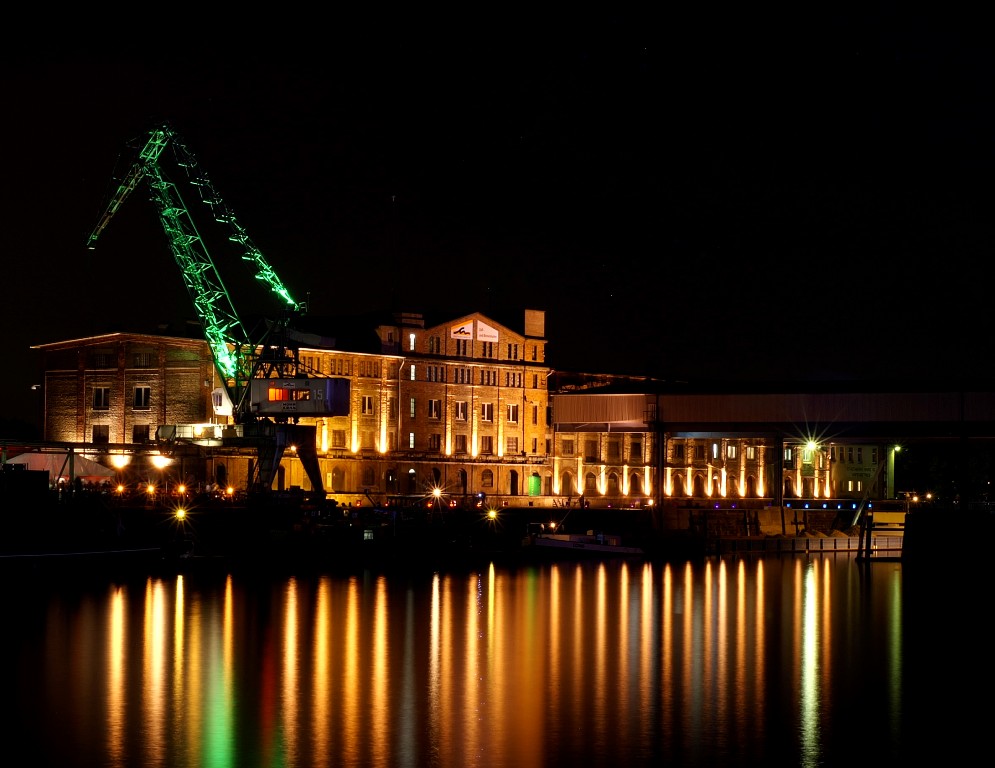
{"x":469,"y":407}
{"x":461,"y":406}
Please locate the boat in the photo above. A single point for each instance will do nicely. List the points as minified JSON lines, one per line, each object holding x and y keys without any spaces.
{"x":603,"y":544}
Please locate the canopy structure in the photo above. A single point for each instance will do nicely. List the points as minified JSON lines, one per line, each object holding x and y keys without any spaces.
{"x":58,"y":466}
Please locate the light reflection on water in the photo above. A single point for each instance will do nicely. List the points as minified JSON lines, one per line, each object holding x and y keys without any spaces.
{"x":721,"y":662}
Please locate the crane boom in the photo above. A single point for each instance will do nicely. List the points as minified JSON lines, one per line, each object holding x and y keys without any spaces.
{"x":281,"y":392}
{"x":230,"y":344}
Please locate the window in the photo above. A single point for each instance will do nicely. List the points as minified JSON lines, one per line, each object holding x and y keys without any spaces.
{"x":751,"y":453}
{"x":715,"y":450}
{"x":590,"y":483}
{"x":411,"y":409}
{"x":460,"y":412}
{"x":512,"y":445}
{"x":411,"y":343}
{"x":411,"y":440}
{"x":460,"y":443}
{"x":101,"y":398}
{"x":367,"y":405}
{"x":849,"y":454}
{"x":699,"y":453}
{"x":731,"y":451}
{"x":590,"y":450}
{"x":636,"y":450}
{"x":860,"y":454}
{"x":101,"y":434}
{"x":614,"y":452}
{"x":367,"y":440}
{"x":143,"y":360}
{"x":535,"y":444}
{"x":102,"y":360}
{"x":513,"y":413}
{"x":487,"y":444}
{"x":412,"y":372}
{"x":487,"y":411}
{"x":368,"y":476}
{"x":461,"y":347}
{"x":535,"y":414}
{"x":435,"y":442}
{"x":679,"y":451}
{"x":568,"y":447}
{"x":392,"y":407}
{"x":434,"y":409}
{"x":140,"y":433}
{"x":143,"y":398}
{"x":338,"y":438}
{"x":487,"y":479}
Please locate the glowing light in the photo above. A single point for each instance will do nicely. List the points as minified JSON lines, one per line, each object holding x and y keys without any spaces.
{"x":161,"y":462}
{"x":120,"y":460}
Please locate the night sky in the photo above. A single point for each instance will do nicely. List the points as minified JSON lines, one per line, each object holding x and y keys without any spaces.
{"x":769,"y":198}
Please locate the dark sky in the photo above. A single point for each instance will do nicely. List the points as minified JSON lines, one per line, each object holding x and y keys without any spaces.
{"x":773,"y":198}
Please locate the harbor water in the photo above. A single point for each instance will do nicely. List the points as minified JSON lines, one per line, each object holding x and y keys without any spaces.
{"x":722,"y":661}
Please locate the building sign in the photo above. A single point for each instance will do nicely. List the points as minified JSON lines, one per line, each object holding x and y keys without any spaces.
{"x":485,"y":332}
{"x":466,"y":331}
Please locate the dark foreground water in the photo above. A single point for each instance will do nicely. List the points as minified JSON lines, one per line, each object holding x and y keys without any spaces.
{"x":798,"y":661}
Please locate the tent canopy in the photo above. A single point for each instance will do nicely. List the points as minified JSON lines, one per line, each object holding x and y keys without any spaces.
{"x":57,"y":465}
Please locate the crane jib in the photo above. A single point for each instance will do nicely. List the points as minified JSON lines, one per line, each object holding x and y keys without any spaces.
{"x":236,"y":356}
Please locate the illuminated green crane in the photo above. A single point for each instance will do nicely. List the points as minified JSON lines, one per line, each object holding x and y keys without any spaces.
{"x":234,"y":352}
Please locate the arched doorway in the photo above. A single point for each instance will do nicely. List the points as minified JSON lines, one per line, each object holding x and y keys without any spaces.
{"x":566,"y":484}
{"x":513,"y":482}
{"x":338,"y":479}
{"x":699,"y":486}
{"x":412,"y":481}
{"x":678,"y":486}
{"x":635,"y":484}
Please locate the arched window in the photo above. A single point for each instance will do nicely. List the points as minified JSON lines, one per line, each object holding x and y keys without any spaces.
{"x":487,"y":479}
{"x":613,"y":484}
{"x":590,"y":483}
